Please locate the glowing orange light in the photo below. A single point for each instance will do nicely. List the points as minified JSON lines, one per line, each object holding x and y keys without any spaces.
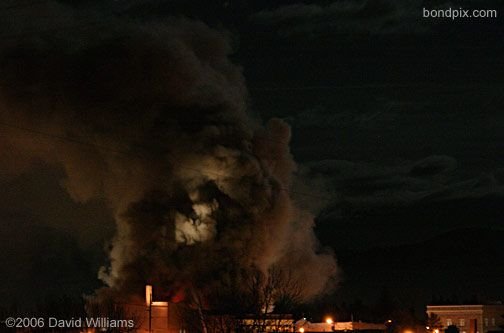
{"x":301,"y":330}
{"x":148,"y":294}
{"x":179,"y":296}
{"x":329,"y":321}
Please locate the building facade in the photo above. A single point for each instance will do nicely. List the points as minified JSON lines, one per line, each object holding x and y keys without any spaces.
{"x":155,"y":316}
{"x":267,"y":323}
{"x":305,"y":326}
{"x":469,"y":318}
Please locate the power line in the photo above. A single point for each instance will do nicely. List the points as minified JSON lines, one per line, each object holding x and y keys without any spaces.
{"x":431,"y":85}
{"x":39,"y":33}
{"x":125,"y":152}
{"x":36,"y":33}
{"x":23,"y":5}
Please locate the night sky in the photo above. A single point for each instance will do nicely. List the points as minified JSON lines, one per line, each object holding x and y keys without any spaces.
{"x":397,"y":132}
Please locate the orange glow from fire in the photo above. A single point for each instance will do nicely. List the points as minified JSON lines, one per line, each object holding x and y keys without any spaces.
{"x":178,"y":296}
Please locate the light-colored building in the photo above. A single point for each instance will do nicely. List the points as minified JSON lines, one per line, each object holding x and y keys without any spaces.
{"x":469,"y":318}
{"x":268,"y":323}
{"x":329,"y":326}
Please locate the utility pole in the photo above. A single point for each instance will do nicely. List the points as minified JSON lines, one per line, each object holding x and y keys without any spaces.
{"x":150,"y":313}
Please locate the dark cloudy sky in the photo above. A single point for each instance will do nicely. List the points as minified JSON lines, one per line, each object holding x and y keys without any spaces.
{"x":397,"y":126}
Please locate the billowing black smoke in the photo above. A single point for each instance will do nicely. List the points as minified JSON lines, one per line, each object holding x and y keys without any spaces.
{"x":152,"y":118}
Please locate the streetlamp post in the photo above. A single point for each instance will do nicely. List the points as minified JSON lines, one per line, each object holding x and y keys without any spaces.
{"x":330,"y":322}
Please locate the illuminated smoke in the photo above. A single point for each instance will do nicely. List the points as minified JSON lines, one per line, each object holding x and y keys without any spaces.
{"x":197,"y":188}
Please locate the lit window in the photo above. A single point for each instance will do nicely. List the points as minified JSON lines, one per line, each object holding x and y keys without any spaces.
{"x":462,"y":322}
{"x":449,"y":322}
{"x":486,"y":322}
{"x":493,"y":321}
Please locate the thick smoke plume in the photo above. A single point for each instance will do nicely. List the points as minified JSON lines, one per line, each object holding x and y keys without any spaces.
{"x":152,"y":118}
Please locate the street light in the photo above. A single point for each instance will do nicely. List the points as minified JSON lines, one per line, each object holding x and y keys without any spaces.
{"x":388,"y":326}
{"x":330,"y":321}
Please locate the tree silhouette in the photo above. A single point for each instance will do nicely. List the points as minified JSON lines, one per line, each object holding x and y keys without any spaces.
{"x":434,"y":322}
{"x":114,"y":311}
{"x":252,"y":301}
{"x":386,"y":306}
{"x":452,"y":329}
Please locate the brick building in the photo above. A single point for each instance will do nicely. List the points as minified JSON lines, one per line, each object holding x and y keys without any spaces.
{"x":155,"y":316}
{"x":470,"y":318}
